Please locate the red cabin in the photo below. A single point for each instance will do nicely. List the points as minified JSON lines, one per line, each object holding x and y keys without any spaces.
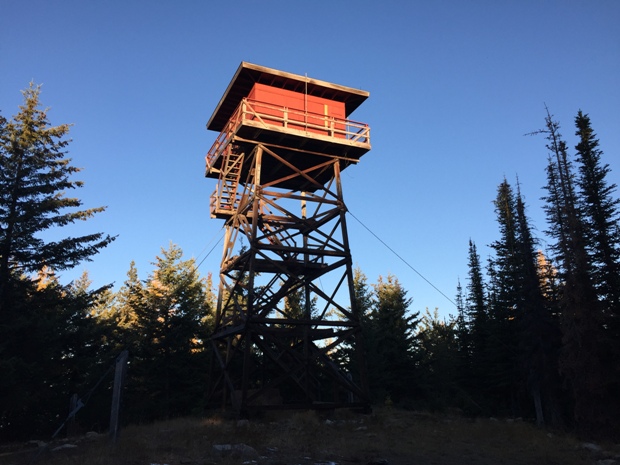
{"x":306,"y":116}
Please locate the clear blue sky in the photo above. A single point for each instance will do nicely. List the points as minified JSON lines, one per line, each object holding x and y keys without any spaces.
{"x":454,"y":86}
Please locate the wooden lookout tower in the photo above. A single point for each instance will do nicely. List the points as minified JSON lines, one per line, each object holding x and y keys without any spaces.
{"x":286,"y":321}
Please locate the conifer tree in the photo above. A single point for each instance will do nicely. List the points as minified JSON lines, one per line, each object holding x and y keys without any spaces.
{"x":523,"y":339}
{"x":600,"y":211}
{"x":601,"y":221}
{"x":392,"y":370}
{"x":505,"y":387}
{"x":583,"y":340}
{"x":538,"y":331}
{"x":168,"y":339}
{"x":47,"y":338}
{"x":475,"y":305}
{"x":51,"y":348}
{"x":364,"y":301}
{"x":475,"y":379}
{"x":462,"y":330}
{"x":363,"y":294}
{"x":439,"y":365}
{"x":35,"y":174}
{"x":296,"y":307}
{"x":563,"y":215}
{"x":119,"y":310}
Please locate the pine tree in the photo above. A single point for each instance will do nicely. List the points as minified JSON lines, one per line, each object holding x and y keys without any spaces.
{"x":51,"y":348}
{"x":363,"y":294}
{"x":34,"y":176}
{"x":475,"y":375}
{"x":439,"y":364}
{"x":130,"y":299}
{"x":601,"y":214}
{"x":563,"y":215}
{"x":47,"y":338}
{"x":462,"y":331}
{"x":393,"y":364}
{"x":538,"y":330}
{"x":582,"y":322}
{"x":475,"y":305}
{"x":504,"y":383}
{"x":168,"y":337}
{"x":364,"y":301}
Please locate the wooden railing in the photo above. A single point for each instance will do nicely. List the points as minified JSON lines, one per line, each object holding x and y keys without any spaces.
{"x":268,"y":115}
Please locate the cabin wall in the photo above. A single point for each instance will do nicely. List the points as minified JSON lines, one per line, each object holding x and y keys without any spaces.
{"x":321,"y":112}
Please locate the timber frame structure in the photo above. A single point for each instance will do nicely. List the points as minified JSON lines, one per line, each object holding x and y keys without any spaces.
{"x":286,"y":320}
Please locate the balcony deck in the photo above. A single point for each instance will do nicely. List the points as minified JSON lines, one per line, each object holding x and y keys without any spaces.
{"x":303,"y":139}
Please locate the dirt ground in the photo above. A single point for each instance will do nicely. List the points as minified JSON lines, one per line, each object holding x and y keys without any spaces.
{"x":386,"y":437}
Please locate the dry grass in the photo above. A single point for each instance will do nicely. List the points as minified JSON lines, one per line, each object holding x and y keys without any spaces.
{"x":388,"y":436}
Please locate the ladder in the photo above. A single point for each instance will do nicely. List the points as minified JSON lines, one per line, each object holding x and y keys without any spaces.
{"x":227,"y":199}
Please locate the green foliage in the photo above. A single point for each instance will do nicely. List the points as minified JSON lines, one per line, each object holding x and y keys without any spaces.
{"x":392,"y":345}
{"x":34,"y":177}
{"x":513,"y":336}
{"x":533,"y":338}
{"x":439,"y":372}
{"x":584,"y":337}
{"x":164,"y":324}
{"x":50,"y":349}
{"x":539,"y":339}
{"x":347,"y":356}
{"x":474,"y":332}
{"x":601,"y":221}
{"x":49,"y":344}
{"x":601,"y":216}
{"x":364,"y":298}
{"x":298,"y":306}
{"x":476,"y":319}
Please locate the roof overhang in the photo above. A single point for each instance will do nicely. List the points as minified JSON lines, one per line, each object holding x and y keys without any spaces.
{"x":247,"y":74}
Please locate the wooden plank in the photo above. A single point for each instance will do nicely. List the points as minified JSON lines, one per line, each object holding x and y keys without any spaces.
{"x":119,"y":382}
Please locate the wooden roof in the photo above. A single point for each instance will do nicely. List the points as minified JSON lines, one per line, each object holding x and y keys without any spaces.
{"x":247,"y":74}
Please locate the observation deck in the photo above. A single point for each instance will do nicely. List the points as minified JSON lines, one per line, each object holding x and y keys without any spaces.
{"x":304,"y":119}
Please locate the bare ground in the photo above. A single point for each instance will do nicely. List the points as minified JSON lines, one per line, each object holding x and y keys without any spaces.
{"x":386,"y":437}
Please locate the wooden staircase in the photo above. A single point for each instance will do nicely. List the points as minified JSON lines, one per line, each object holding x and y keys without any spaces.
{"x":225,"y":199}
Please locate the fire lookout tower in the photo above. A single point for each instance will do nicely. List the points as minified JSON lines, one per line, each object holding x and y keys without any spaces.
{"x":286,"y":319}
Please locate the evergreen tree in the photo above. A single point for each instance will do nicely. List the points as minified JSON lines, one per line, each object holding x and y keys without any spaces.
{"x":476,"y":307}
{"x":89,"y":353}
{"x":130,"y":299}
{"x":49,"y":345}
{"x":549,"y":281}
{"x":563,"y":215}
{"x":600,"y":212}
{"x":462,"y":332}
{"x":296,"y":307}
{"x":502,"y":363}
{"x":51,"y":349}
{"x":582,"y":323}
{"x":392,"y":366}
{"x":523,"y":338}
{"x":364,"y":341}
{"x":166,"y":319}
{"x":363,"y":294}
{"x":364,"y":301}
{"x":538,"y":331}
{"x":439,"y":365}
{"x":34,"y":176}
{"x":474,"y":332}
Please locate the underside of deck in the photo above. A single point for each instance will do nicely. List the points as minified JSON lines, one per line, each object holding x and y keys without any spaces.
{"x":296,"y":147}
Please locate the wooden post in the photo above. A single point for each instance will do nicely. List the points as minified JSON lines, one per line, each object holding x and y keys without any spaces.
{"x":71,"y":423}
{"x":119,"y":381}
